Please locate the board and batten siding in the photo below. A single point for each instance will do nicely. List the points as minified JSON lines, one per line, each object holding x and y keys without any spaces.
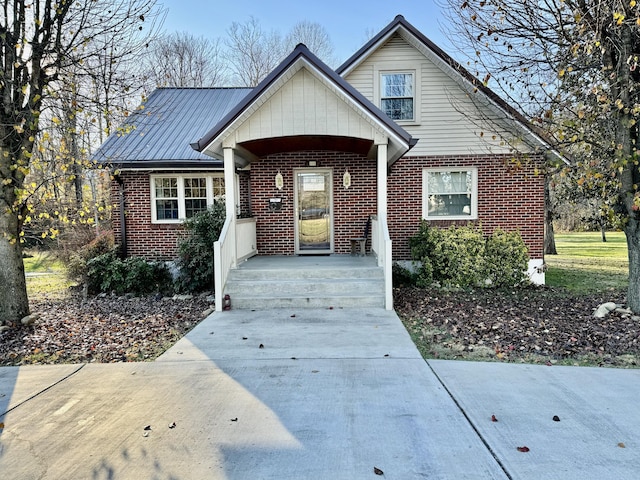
{"x":448,"y":122}
{"x":304,"y":105}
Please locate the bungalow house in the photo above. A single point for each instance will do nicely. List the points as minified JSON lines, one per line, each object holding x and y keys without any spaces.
{"x":397,"y":134}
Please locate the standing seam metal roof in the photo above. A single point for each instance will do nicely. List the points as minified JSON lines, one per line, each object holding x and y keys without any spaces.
{"x":163,"y":129}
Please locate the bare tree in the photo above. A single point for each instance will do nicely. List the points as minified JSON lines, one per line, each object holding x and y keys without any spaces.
{"x":40,"y":41}
{"x":252,"y":53}
{"x":573,"y":66}
{"x":315,"y":37}
{"x":181,"y":59}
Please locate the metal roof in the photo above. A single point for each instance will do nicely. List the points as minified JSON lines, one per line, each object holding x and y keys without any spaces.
{"x":163,"y":130}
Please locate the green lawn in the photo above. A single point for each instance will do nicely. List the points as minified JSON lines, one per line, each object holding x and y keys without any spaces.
{"x":586,"y":264}
{"x":46,"y":275}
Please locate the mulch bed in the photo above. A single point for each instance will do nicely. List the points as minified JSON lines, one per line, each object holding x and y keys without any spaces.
{"x":101,"y":329}
{"x":528,"y":325}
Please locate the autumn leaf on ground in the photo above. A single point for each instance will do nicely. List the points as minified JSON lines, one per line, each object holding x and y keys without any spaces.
{"x":622,"y":445}
{"x":493,"y":418}
{"x":377,"y":471}
{"x":556,"y":418}
{"x":523,"y":449}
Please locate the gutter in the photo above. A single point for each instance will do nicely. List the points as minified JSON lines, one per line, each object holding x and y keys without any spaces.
{"x":123,"y":224}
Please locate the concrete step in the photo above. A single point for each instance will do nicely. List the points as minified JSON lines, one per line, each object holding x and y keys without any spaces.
{"x":276,"y":273}
{"x":291,"y":301}
{"x":316,"y":287}
{"x":313,"y":287}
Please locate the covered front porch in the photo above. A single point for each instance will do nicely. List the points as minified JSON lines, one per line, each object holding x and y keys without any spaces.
{"x":308,"y":149}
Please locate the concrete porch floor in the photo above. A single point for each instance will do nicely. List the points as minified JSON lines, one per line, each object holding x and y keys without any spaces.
{"x":303,"y":262}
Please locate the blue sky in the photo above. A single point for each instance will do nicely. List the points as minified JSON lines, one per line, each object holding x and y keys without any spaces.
{"x":346,"y":21}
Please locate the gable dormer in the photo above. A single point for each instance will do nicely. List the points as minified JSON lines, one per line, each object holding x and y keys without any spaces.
{"x":434,"y":98}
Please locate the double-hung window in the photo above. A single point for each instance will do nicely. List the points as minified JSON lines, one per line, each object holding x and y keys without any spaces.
{"x":176,"y":197}
{"x":397,"y":92}
{"x":450,"y":193}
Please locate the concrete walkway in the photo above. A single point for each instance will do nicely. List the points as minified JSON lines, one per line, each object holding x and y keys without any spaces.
{"x":315,"y":394}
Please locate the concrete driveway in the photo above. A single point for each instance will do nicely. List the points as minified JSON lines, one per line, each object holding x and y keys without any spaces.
{"x":315,"y":394}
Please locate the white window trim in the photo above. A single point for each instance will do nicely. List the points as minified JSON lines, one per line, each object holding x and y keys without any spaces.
{"x":400,"y":67}
{"x":181,"y":197}
{"x":474,"y":193}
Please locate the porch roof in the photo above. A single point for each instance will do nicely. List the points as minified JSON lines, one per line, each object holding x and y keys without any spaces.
{"x":373,"y":126}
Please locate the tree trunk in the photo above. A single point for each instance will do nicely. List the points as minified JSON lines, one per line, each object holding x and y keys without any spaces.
{"x":14,"y":304}
{"x":632,"y":231}
{"x":549,"y":237}
{"x":603,"y":231}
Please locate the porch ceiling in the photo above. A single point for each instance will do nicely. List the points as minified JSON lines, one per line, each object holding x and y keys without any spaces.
{"x":267,"y":146}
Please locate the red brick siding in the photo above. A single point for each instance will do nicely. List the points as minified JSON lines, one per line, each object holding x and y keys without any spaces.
{"x":351,"y":207}
{"x":145,"y":239}
{"x":509,"y":198}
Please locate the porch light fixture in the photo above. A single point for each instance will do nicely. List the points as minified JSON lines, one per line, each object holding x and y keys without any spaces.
{"x":346,"y":179}
{"x":279,"y":181}
{"x":312,"y":163}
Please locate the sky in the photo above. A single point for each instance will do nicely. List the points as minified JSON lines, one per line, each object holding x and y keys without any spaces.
{"x":347,"y":22}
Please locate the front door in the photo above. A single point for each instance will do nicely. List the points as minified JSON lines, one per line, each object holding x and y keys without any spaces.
{"x":314,"y":211}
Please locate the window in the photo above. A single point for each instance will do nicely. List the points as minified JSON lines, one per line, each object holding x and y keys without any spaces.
{"x":176,"y":197}
{"x":450,"y":193}
{"x":397,"y":95}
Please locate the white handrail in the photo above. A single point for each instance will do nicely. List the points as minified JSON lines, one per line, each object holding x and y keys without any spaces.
{"x":223,"y":251}
{"x":381,"y":245}
{"x":384,"y":259}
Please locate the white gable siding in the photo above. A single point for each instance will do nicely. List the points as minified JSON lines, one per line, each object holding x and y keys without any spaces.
{"x":304,"y":106}
{"x":448,"y":121}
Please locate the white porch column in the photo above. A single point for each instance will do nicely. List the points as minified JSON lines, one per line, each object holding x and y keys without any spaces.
{"x":384,"y":256}
{"x":382,"y":182}
{"x":230,"y":197}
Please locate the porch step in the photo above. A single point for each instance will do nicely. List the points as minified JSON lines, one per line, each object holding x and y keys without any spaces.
{"x":306,"y":283}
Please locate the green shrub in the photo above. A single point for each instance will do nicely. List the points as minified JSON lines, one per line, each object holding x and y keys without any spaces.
{"x":108,"y":273}
{"x":463,"y":257}
{"x":195,"y":252}
{"x":506,"y":258}
{"x":77,"y":268}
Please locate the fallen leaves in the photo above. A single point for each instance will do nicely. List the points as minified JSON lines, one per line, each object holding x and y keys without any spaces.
{"x":534,"y":325}
{"x":377,"y":471}
{"x":101,"y":329}
{"x":523,"y":449}
{"x":493,"y":418}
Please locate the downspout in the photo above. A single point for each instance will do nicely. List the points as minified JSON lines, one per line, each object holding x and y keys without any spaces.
{"x":123,"y":225}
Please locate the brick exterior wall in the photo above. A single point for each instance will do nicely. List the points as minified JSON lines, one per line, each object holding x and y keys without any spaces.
{"x":156,"y":241}
{"x":508,"y":197}
{"x":351,"y":207}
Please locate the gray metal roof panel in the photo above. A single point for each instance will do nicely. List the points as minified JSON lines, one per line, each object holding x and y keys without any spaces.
{"x":171,"y":119}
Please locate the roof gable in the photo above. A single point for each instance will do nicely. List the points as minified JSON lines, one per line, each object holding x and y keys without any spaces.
{"x":513,"y":120}
{"x":302,"y":59}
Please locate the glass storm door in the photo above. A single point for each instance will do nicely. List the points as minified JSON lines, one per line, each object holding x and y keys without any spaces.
{"x":314,"y":216}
